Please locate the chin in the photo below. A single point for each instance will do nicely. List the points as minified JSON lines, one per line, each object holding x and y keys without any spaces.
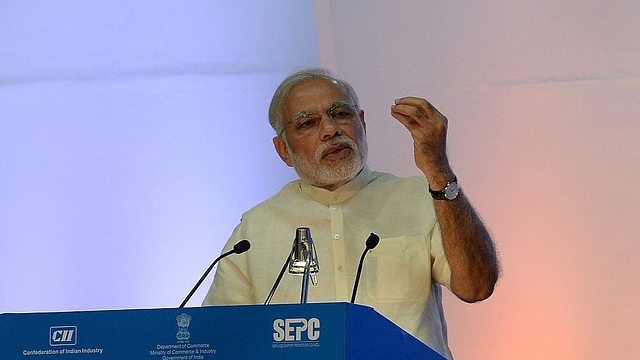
{"x":330,"y":176}
{"x":327,"y":174}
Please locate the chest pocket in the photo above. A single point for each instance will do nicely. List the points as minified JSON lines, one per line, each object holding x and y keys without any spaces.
{"x":399,"y":270}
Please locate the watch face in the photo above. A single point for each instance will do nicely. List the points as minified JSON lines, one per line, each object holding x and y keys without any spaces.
{"x":451,"y":191}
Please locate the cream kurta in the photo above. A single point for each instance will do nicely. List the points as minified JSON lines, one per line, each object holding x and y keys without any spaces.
{"x":400,"y":277}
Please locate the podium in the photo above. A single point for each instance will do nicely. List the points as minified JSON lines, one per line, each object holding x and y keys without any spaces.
{"x":327,"y":331}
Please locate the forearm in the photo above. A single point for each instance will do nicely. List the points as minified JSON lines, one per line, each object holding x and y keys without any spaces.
{"x":469,"y":249}
{"x":467,"y":243}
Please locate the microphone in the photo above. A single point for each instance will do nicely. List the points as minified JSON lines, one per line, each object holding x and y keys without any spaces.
{"x":304,"y":257}
{"x":239,"y":248}
{"x":302,"y":260}
{"x":372,"y":242}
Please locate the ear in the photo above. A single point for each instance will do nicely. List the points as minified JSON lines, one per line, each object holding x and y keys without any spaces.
{"x":364,"y":125}
{"x":281,"y":149}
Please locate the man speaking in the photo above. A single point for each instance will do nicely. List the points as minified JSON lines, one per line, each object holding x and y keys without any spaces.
{"x":430,"y":235}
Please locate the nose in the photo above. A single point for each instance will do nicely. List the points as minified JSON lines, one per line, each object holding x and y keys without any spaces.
{"x":329,"y":128}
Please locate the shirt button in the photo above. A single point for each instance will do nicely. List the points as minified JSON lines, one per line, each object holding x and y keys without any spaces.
{"x":335,"y":209}
{"x":336,"y":236}
{"x":340,"y":268}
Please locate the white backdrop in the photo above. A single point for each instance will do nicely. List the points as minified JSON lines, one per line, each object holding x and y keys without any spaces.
{"x":133,"y":134}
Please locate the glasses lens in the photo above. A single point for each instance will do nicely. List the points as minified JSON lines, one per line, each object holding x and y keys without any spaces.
{"x":307,"y":123}
{"x":343,"y":112}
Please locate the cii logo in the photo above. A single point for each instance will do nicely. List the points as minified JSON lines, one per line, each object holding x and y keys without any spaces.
{"x":63,"y":335}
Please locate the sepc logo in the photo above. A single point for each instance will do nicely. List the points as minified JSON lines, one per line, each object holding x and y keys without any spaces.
{"x":63,"y":335}
{"x":296,"y":329}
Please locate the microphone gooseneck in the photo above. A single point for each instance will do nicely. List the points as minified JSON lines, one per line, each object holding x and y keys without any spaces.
{"x":239,"y":248}
{"x":372,"y":242}
{"x":277,"y":282}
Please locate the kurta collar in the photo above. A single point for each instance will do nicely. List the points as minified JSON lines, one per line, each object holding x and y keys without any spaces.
{"x":342,"y":193}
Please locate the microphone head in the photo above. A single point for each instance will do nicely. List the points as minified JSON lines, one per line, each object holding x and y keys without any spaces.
{"x":372,"y":241}
{"x":241,"y":246}
{"x":303,"y":248}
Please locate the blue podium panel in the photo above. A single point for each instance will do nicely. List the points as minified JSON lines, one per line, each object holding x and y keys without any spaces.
{"x":324,"y":331}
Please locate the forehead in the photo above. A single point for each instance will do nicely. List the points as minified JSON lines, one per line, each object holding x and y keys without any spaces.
{"x":313,"y":95}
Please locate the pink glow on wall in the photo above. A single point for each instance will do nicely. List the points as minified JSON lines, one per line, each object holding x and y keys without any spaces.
{"x":542,"y":101}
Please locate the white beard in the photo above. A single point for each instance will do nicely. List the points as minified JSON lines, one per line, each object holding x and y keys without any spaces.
{"x":316,"y":173}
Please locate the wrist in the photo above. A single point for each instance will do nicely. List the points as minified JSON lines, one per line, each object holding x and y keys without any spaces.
{"x":449,"y":192}
{"x":439,"y":179}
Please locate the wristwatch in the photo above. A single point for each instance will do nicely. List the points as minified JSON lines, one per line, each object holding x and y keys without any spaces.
{"x":449,"y":193}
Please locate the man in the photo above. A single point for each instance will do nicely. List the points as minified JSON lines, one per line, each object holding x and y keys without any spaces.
{"x":430,"y":234}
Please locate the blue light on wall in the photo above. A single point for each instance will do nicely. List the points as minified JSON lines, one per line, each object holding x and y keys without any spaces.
{"x":133,"y":135}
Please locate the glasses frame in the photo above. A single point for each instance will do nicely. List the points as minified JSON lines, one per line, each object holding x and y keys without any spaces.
{"x":307,"y":115}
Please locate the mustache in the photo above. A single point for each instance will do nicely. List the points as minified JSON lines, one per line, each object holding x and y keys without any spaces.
{"x":320,"y":152}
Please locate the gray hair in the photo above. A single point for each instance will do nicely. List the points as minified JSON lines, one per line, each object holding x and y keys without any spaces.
{"x":275,"y":108}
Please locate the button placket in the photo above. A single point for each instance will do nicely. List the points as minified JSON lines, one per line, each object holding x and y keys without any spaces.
{"x":339,"y":251}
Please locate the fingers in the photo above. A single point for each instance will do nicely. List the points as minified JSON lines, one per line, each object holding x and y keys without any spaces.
{"x":428,"y":127}
{"x":422,"y":105}
{"x":413,"y":111}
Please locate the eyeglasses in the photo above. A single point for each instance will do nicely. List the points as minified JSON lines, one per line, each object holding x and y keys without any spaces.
{"x":306,"y":122}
